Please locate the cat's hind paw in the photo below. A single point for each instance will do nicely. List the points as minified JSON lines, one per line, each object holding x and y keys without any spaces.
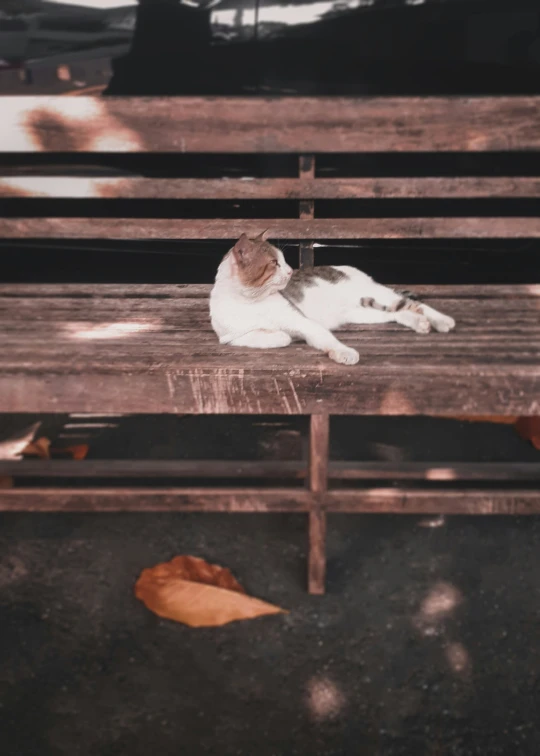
{"x":422,"y":325}
{"x":344,"y":355}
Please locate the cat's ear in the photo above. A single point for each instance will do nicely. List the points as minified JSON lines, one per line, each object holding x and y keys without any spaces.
{"x":242,"y":249}
{"x":263,"y":237}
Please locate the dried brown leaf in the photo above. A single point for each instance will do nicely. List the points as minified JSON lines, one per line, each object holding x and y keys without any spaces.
{"x":41,"y":448}
{"x":497,"y":419}
{"x":189,"y":590}
{"x":78,"y":452}
{"x":529,"y":429}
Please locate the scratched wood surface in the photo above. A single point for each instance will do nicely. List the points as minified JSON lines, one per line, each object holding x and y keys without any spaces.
{"x":213,"y":124}
{"x":513,"y":501}
{"x":99,"y":348}
{"x":279,"y":228}
{"x":463,"y":187}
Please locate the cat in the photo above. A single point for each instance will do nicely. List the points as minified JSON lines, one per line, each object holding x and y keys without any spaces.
{"x":258,"y":301}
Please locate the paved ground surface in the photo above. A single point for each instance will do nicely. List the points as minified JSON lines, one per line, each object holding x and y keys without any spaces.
{"x":425,"y":645}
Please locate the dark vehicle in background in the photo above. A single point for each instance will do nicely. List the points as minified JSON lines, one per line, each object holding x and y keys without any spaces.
{"x":282,"y":47}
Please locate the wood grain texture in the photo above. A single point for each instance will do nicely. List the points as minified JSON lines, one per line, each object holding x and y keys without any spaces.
{"x":214,"y":124}
{"x":319,"y":445}
{"x":417,"y":501}
{"x":319,"y":442}
{"x":291,"y":228}
{"x":317,"y":550}
{"x":132,"y":499}
{"x":164,"y":292}
{"x":304,"y":188}
{"x":377,"y":500}
{"x":151,"y":349}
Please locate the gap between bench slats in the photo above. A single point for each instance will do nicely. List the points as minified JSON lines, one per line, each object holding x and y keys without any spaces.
{"x":212,"y":468}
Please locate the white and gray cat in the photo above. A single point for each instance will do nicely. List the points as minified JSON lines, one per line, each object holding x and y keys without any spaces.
{"x":259,"y":301}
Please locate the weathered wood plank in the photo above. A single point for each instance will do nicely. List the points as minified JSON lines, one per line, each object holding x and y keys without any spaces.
{"x":454,"y":502}
{"x":157,"y":292}
{"x":319,"y":440}
{"x":319,"y":444}
{"x":378,"y":500}
{"x":126,"y":499}
{"x":102,"y":354}
{"x":291,"y":228}
{"x":217,"y":124}
{"x":369,"y":390}
{"x":249,"y":188}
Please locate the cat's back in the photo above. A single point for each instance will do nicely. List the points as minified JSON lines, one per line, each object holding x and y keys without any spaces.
{"x":323,"y":293}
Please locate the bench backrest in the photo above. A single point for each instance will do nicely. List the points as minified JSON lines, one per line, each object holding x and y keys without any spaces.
{"x":303,"y":127}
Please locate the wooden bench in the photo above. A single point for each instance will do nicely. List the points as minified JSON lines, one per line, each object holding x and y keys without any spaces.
{"x":150,"y":348}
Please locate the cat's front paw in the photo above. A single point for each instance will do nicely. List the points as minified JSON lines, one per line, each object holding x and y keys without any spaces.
{"x":444,"y":323}
{"x":344,"y":355}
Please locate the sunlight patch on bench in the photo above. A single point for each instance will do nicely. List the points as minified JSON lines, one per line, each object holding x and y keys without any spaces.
{"x":88,"y":332}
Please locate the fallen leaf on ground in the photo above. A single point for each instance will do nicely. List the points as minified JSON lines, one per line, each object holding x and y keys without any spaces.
{"x":78,"y":452}
{"x":529,"y":429}
{"x":41,"y":448}
{"x":498,"y":419}
{"x":189,"y":590}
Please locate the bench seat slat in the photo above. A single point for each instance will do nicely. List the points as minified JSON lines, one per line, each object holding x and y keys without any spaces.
{"x":164,"y":292}
{"x":152,"y":359}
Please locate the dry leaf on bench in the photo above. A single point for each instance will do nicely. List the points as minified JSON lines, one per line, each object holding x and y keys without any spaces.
{"x":189,"y":590}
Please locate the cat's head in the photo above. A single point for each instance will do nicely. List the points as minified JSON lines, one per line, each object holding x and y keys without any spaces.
{"x":259,"y":267}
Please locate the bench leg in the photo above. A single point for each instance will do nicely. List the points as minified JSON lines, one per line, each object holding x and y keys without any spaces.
{"x":317,"y":552}
{"x":306,"y":208}
{"x":318,"y":484}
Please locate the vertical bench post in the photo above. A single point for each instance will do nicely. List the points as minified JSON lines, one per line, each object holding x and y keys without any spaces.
{"x":306,"y":170}
{"x":319,"y":434}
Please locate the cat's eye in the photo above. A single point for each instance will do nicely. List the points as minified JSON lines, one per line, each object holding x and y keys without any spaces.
{"x":275,"y":263}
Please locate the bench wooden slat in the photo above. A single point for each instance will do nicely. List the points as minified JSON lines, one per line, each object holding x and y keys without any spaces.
{"x":273,"y":188}
{"x":163,"y":292}
{"x":54,"y":361}
{"x":514,"y":501}
{"x":221,"y":125}
{"x":290,"y":228}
